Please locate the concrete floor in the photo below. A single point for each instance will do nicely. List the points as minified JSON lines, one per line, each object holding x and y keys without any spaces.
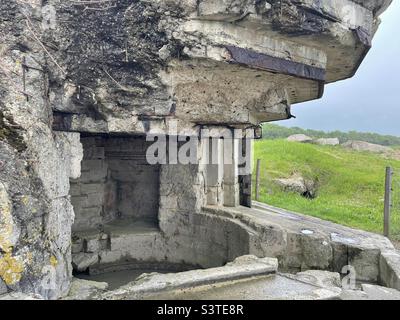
{"x":271,"y":287}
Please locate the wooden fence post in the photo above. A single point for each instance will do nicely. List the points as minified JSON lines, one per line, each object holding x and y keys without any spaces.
{"x":258,"y":180}
{"x":388,"y":202}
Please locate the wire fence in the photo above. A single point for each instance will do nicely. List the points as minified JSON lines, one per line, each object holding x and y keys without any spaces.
{"x":394,"y":231}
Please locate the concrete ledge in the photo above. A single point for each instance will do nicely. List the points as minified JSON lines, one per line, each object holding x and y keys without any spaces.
{"x":302,"y":243}
{"x":390,"y":269}
{"x":240,"y":268}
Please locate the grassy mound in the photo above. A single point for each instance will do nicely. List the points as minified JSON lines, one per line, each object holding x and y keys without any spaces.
{"x":350,"y":184}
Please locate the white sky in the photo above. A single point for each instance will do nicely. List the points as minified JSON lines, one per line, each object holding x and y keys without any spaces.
{"x":370,"y":101}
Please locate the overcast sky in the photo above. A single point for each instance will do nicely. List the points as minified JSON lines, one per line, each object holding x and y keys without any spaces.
{"x":370,"y":101}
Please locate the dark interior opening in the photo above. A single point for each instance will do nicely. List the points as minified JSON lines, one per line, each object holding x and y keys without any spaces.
{"x":117,"y":187}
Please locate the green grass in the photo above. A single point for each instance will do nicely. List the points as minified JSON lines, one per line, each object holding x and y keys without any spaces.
{"x":350,"y":183}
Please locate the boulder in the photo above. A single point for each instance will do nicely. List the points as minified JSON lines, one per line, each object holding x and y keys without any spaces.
{"x":299,"y":138}
{"x":366,"y":146}
{"x":327,"y":141}
{"x":296,"y":183}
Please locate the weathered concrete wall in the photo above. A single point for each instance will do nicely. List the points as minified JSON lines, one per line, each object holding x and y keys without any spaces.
{"x":36,"y":215}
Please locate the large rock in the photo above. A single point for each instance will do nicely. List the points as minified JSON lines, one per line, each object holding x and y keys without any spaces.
{"x":298,"y":184}
{"x":299,"y":138}
{"x":327,"y":141}
{"x":366,"y":146}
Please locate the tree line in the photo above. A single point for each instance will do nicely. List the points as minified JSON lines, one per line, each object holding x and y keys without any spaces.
{"x":274,"y":131}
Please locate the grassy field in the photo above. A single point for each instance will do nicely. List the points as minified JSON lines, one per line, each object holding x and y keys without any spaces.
{"x":350,"y":184}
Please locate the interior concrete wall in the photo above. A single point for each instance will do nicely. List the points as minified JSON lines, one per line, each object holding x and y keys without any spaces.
{"x":116,"y":182}
{"x":136,"y":182}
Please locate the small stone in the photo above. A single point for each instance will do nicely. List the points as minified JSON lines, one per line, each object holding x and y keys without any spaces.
{"x":82,"y":261}
{"x":104,"y":236}
{"x":164,"y":53}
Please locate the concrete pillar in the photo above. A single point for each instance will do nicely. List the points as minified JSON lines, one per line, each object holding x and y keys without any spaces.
{"x":214,"y":171}
{"x":231,"y":172}
{"x":246,"y":159}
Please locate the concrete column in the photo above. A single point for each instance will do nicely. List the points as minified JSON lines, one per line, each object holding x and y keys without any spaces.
{"x":214,"y":171}
{"x":246,"y":159}
{"x":231,"y":172}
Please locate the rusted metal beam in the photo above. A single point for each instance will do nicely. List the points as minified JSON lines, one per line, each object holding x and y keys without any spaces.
{"x":265,"y":62}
